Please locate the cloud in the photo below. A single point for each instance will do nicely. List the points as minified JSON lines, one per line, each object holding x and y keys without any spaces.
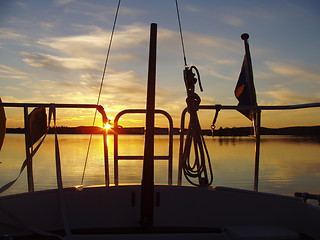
{"x":7,"y":33}
{"x":216,"y":74}
{"x":206,"y":41}
{"x":192,"y":8}
{"x":63,"y":2}
{"x":54,"y":91}
{"x":20,"y":4}
{"x":80,"y":57}
{"x":120,"y":89}
{"x":101,"y":12}
{"x":232,"y":20}
{"x":81,"y":45}
{"x":59,"y":64}
{"x":283,"y":95}
{"x":13,"y":76}
{"x":12,"y":73}
{"x":125,"y":87}
{"x":131,"y":36}
{"x":294,"y":71}
{"x":94,"y":43}
{"x":130,"y":44}
{"x":212,"y":50}
{"x":10,"y":70}
{"x":47,"y":25}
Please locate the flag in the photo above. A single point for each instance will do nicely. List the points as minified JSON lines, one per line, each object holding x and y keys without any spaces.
{"x":245,"y":91}
{"x":2,"y":124}
{"x":37,"y":124}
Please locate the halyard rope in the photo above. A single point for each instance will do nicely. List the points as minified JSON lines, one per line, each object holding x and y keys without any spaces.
{"x":101,"y":86}
{"x":181,"y":36}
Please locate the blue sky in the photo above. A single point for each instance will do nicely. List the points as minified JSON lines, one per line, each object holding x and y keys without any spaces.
{"x":54,"y":51}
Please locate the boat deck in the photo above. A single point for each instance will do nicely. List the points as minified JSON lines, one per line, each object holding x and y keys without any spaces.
{"x":180,"y":212}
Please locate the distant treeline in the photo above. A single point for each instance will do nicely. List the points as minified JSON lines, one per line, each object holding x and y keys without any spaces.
{"x":245,"y":131}
{"x":235,"y":131}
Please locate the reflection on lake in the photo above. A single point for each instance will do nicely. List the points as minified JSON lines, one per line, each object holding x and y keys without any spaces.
{"x":287,"y":163}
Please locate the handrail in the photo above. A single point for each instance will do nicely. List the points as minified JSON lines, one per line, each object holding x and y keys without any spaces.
{"x":257,"y":109}
{"x":59,"y":105}
{"x":275,"y":107}
{"x":116,"y":140}
{"x":25,"y":106}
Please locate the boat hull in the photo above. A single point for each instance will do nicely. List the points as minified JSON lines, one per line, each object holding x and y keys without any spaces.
{"x":177,"y":210}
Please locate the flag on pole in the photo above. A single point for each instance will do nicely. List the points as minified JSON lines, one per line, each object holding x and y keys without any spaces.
{"x":245,"y":91}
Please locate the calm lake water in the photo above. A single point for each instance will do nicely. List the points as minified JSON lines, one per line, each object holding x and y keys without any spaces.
{"x":287,"y":163}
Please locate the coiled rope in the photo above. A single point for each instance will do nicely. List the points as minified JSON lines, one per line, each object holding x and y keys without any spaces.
{"x":197,"y":170}
{"x":199,"y":167}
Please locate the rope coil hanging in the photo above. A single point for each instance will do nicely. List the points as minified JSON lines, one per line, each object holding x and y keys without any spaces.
{"x":200,"y":167}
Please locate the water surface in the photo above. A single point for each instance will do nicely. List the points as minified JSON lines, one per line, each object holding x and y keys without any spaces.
{"x":287,"y":163}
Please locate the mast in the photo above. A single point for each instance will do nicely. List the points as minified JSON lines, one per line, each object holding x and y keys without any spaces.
{"x":147,"y":185}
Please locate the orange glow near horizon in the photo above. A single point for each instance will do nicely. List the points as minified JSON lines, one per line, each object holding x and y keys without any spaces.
{"x":271,"y":119}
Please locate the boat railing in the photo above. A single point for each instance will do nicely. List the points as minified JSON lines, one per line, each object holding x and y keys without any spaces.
{"x":258,"y":110}
{"x":118,"y":157}
{"x":169,"y":156}
{"x":26,"y":107}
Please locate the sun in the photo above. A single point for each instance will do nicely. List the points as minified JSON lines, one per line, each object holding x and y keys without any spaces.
{"x":107,"y":126}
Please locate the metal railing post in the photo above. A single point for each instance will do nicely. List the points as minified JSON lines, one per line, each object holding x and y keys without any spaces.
{"x":105,"y":146}
{"x":27,"y":148}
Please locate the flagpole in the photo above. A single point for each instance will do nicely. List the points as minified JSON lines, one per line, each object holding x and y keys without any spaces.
{"x":257,"y":124}
{"x":256,"y":116}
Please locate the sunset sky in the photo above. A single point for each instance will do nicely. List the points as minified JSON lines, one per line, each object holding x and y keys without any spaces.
{"x":54,"y":52}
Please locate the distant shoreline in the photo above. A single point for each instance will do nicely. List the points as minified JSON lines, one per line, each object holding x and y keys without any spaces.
{"x":235,"y":131}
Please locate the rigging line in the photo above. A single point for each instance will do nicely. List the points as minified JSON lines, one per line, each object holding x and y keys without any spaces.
{"x":181,"y":36}
{"x":101,"y":86}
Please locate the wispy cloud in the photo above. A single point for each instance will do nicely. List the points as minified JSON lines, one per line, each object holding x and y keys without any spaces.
{"x":212,"y":42}
{"x":7,"y":72}
{"x":19,"y":4}
{"x":55,"y":63}
{"x":283,"y":95}
{"x":219,"y":75}
{"x":124,"y":89}
{"x":96,"y":40}
{"x":11,"y":70}
{"x":294,"y":71}
{"x":233,"y":20}
{"x":129,"y":42}
{"x":76,"y":45}
{"x":48,"y":25}
{"x":192,"y":8}
{"x":63,"y":2}
{"x":7,"y":33}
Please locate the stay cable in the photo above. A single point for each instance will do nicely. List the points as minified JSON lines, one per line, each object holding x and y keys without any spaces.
{"x":101,"y":86}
